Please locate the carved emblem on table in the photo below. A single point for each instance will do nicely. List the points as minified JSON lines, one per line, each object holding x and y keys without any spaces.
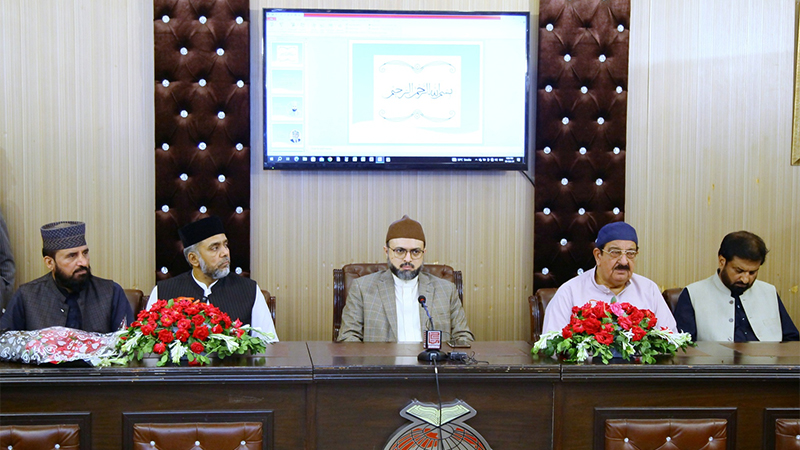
{"x":428,"y":424}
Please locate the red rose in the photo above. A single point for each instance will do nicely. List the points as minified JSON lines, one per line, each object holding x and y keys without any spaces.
{"x":166,"y":320}
{"x":198,"y":319}
{"x":182,"y":334}
{"x":237,"y":323}
{"x":651,"y":319}
{"x":578,"y":326}
{"x":147,"y":329}
{"x":192,"y":310}
{"x":136,"y":324}
{"x":636,"y":317}
{"x":200,"y":332}
{"x":575,"y":310}
{"x":216,"y":318}
{"x":227,"y":320}
{"x":604,"y":338}
{"x":217,"y":329}
{"x":566,"y":333}
{"x":638,"y":333}
{"x":166,"y":336}
{"x":591,"y":325}
{"x":184,"y":324}
{"x":196,"y":362}
{"x":239,"y":332}
{"x":159,"y":348}
{"x":197,"y":347}
{"x":625,"y":323}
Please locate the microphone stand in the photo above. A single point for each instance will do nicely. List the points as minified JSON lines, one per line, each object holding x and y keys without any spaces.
{"x":429,"y":355}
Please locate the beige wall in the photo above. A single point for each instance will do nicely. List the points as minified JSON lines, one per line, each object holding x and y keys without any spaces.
{"x":76,"y":139}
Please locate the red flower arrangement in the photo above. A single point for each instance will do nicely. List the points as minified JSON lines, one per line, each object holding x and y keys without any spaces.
{"x":184,"y":327}
{"x":602,"y":329}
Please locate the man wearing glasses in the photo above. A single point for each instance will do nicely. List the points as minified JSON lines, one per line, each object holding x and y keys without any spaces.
{"x":611,"y":280}
{"x":384,"y":306}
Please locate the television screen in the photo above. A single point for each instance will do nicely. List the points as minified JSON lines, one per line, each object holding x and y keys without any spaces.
{"x":395,"y":90}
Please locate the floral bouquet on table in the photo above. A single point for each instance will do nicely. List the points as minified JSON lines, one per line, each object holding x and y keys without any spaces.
{"x":184,"y":327}
{"x":600,"y":329}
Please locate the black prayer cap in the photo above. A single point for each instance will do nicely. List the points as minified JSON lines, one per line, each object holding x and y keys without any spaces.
{"x":200,"y":230}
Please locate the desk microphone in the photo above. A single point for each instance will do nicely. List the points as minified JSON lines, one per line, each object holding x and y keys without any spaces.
{"x":433,"y":338}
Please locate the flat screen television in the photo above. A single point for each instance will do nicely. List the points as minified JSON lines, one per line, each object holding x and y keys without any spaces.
{"x":382,"y":90}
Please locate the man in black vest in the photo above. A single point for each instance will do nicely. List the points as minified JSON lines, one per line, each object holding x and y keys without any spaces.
{"x":206,"y":250}
{"x":69,"y":296}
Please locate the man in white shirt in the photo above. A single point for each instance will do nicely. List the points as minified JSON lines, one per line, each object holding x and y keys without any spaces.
{"x":384,"y":306}
{"x":205,"y":248}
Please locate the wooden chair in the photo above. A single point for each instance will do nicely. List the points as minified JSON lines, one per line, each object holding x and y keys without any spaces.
{"x":538,"y":304}
{"x":271,"y":300}
{"x":671,"y":296}
{"x":137,"y":300}
{"x":343,"y":278}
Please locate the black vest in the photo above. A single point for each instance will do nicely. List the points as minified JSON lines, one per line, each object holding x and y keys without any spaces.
{"x":45,"y":305}
{"x":234,"y":295}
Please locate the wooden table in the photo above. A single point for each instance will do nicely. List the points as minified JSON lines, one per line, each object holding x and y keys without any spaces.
{"x":331,"y":396}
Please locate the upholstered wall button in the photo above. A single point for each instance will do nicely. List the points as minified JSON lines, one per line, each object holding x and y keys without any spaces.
{"x":238,"y":271}
{"x":580,"y":272}
{"x":243,"y":443}
{"x":549,"y":27}
{"x":165,"y":146}
{"x":602,"y":58}
{"x":567,"y":57}
{"x":221,"y":115}
{"x":203,"y":209}
{"x":184,"y":51}
{"x":620,"y":28}
{"x":165,"y":18}
{"x":626,"y":439}
{"x":152,"y":443}
{"x":548,"y":88}
{"x":616,"y":150}
{"x":545,"y":271}
{"x":240,"y":84}
{"x":165,"y":83}
{"x":184,"y":113}
{"x":598,"y":181}
{"x":239,"y":147}
{"x":546,"y":211}
{"x":563,"y":242}
{"x":547,"y":150}
{"x":615,"y":210}
{"x":197,"y":443}
{"x":165,"y":271}
{"x":165,"y":208}
{"x":202,"y":82}
{"x":584,"y":89}
{"x":565,"y":120}
{"x":564,"y":181}
{"x":601,"y":120}
{"x":220,"y":51}
{"x":239,"y":20}
{"x":581,"y":211}
{"x":221,"y":178}
{"x":201,"y":146}
{"x":710,"y":438}
{"x":619,"y":89}
{"x":669,"y":438}
{"x":582,"y":150}
{"x":57,"y":446}
{"x":184,"y":177}
{"x":239,"y":210}
{"x":203,"y":19}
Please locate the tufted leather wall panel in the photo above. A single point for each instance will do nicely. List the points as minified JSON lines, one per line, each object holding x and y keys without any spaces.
{"x":196,"y":436}
{"x":580,"y":132}
{"x":60,"y":436}
{"x":666,"y":434}
{"x":202,"y":125}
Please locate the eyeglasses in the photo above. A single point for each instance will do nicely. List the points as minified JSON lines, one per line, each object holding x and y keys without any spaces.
{"x":617,"y":253}
{"x":400,"y":252}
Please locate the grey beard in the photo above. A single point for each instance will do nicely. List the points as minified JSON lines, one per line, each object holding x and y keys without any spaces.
{"x":216,"y":274}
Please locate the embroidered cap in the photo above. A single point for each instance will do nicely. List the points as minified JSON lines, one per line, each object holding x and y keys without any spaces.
{"x":405,"y":228}
{"x":616,"y":231}
{"x":64,"y":234}
{"x":200,"y":230}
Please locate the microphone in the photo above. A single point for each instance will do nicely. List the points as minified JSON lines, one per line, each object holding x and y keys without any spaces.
{"x":433,"y":338}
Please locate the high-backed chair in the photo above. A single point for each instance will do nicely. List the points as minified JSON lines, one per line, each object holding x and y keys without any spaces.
{"x":671,"y":296}
{"x":271,"y":300}
{"x":136,"y":299}
{"x":343,"y":278}
{"x":64,"y":436}
{"x":236,"y":435}
{"x":538,"y":304}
